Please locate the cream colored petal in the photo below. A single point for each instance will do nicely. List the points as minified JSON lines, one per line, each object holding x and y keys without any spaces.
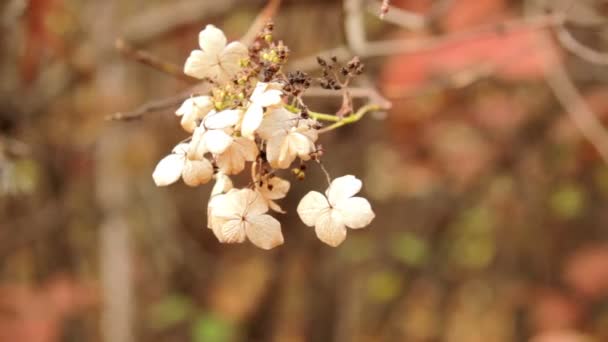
{"x":273,"y":149}
{"x":287,"y":153}
{"x":275,"y":120}
{"x":275,"y":207}
{"x":330,"y":228}
{"x":232,"y":231}
{"x":231,"y":57}
{"x":223,"y":119}
{"x":230,"y":206}
{"x":275,"y":188}
{"x":258,"y":91}
{"x":231,"y":161}
{"x":222,"y":184}
{"x":213,"y":221}
{"x":197,"y":148}
{"x":269,"y":98}
{"x":252,"y":120}
{"x":168,"y":170}
{"x":342,"y":188}
{"x":181,"y":149}
{"x":311,"y":206}
{"x":217,"y":141}
{"x":255,"y":203}
{"x":212,"y":40}
{"x":197,"y":172}
{"x":300,"y":144}
{"x":356,"y":212}
{"x":199,"y":64}
{"x":264,"y":231}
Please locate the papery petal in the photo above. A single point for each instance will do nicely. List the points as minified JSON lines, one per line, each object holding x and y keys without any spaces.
{"x":264,"y":231}
{"x":311,"y":206}
{"x":232,"y":231}
{"x":255,"y":203}
{"x":223,"y":119}
{"x":269,"y":98}
{"x":230,"y":206}
{"x":273,"y":149}
{"x":356,"y":212}
{"x":300,"y":144}
{"x":168,"y":170}
{"x":212,"y":40}
{"x":330,"y":228}
{"x":181,"y":149}
{"x":197,"y":148}
{"x":279,"y":187}
{"x":217,"y":141}
{"x":197,"y":172}
{"x":231,"y":57}
{"x":232,"y":161}
{"x":275,"y":207}
{"x":342,"y":188}
{"x":287,"y":153}
{"x":275,"y":120}
{"x":252,"y":120}
{"x":222,"y":184}
{"x":201,"y":64}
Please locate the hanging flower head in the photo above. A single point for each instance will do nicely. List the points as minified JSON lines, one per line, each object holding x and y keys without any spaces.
{"x":247,"y":120}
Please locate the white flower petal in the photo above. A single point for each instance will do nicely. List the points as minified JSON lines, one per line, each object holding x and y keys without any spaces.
{"x":342,"y":188}
{"x":264,"y":231}
{"x":275,"y":188}
{"x":300,"y":144}
{"x":232,"y":231}
{"x":232,"y":56}
{"x":311,"y":207}
{"x":275,"y":207}
{"x":276,"y":120}
{"x":269,"y":98}
{"x":199,"y":64}
{"x":222,"y":184}
{"x":217,"y":141}
{"x":330,"y":228}
{"x":229,"y":206}
{"x":168,"y":170}
{"x":223,"y":119}
{"x":254,"y":203}
{"x":356,"y":212}
{"x":197,"y":148}
{"x":212,"y":40}
{"x":232,"y":161}
{"x":197,"y":172}
{"x":252,"y":120}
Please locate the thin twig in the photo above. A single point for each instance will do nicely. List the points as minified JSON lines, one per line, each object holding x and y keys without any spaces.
{"x":264,"y":17}
{"x":149,"y":107}
{"x":150,"y":60}
{"x":578,"y":110}
{"x":571,"y":44}
{"x":352,"y":118}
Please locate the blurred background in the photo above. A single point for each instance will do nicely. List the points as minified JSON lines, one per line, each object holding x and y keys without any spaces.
{"x":488,"y":177}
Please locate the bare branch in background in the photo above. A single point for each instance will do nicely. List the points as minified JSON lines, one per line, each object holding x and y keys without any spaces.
{"x":571,"y":44}
{"x":263,"y":17}
{"x":160,"y":19}
{"x":150,"y":107}
{"x":150,"y":60}
{"x":583,"y":118}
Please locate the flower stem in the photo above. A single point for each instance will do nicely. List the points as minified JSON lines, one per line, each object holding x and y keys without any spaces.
{"x":352,"y":118}
{"x":315,"y":115}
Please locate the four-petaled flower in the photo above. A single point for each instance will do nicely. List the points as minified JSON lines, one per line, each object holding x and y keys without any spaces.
{"x":214,"y":134}
{"x":215,"y":60}
{"x":241,"y":214}
{"x":332,"y":214}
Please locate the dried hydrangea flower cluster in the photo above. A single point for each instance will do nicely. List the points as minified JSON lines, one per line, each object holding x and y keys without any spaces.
{"x":254,"y":114}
